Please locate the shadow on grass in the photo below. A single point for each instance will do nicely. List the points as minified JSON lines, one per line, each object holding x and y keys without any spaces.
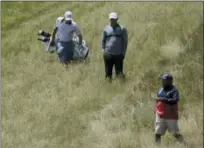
{"x":80,"y":61}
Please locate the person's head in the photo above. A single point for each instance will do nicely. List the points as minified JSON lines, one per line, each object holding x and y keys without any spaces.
{"x":68,"y":17}
{"x":167,"y":80}
{"x":113,"y":17}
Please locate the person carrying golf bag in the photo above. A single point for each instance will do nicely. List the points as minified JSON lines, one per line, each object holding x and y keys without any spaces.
{"x":64,"y":29}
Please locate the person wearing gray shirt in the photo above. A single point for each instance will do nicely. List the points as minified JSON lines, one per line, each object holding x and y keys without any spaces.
{"x":114,"y":46}
{"x":64,"y":30}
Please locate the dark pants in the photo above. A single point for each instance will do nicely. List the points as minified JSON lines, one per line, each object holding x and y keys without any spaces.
{"x":65,"y":51}
{"x":117,"y":62}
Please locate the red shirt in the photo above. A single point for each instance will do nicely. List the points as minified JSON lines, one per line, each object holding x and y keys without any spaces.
{"x":167,"y":111}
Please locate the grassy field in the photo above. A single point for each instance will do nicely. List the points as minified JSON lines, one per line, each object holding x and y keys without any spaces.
{"x":45,"y":105}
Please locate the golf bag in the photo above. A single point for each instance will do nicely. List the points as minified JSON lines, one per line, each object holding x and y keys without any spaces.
{"x":80,"y":51}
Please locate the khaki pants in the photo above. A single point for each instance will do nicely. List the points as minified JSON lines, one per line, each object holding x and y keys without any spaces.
{"x":161,"y":125}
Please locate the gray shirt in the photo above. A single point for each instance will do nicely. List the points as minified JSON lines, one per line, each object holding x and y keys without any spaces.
{"x":115,"y":40}
{"x":65,"y":31}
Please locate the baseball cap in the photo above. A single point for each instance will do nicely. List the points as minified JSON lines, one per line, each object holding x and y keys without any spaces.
{"x":68,"y":15}
{"x":113,"y":15}
{"x":166,"y":76}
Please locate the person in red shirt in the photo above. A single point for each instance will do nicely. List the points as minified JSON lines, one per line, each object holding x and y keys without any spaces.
{"x":167,"y":109}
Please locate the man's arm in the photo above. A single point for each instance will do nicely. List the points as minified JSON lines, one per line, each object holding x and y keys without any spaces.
{"x":54,"y":31}
{"x":175,"y":97}
{"x":103,"y":42}
{"x":158,"y":95}
{"x":125,"y":40}
{"x":78,"y":32}
{"x":159,"y":98}
{"x":172,"y":100}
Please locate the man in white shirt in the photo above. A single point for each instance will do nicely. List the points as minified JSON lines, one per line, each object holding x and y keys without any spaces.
{"x":64,"y":30}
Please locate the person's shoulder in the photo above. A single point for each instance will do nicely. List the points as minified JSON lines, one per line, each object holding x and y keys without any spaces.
{"x":107,"y":27}
{"x":59,"y":19}
{"x":175,"y":88}
{"x":160,"y":90}
{"x":123,"y":27}
{"x":74,"y":23}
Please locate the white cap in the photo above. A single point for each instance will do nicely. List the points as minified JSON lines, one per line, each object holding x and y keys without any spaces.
{"x":68,"y":15}
{"x":113,"y":15}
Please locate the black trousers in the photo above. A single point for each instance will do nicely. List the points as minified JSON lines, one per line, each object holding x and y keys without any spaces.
{"x":111,"y":61}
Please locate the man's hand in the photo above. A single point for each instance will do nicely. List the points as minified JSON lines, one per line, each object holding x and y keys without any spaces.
{"x":123,"y":57}
{"x":102,"y":50}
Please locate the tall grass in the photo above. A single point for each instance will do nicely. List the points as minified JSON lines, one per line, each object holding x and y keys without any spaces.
{"x":45,"y":105}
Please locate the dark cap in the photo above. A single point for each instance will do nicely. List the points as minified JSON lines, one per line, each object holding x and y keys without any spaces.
{"x":166,"y":76}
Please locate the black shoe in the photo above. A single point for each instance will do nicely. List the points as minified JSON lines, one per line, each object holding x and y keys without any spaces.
{"x":179,"y":137}
{"x":158,"y":139}
{"x":121,"y":76}
{"x":108,"y":78}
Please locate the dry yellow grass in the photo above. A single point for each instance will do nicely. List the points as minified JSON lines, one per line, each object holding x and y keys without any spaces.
{"x":45,"y":105}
